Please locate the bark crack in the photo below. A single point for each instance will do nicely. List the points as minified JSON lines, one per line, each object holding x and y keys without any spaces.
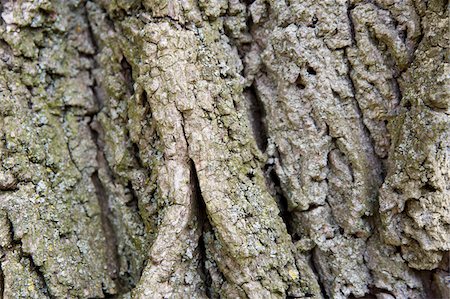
{"x":127,"y":75}
{"x":203,"y":222}
{"x":275,"y":185}
{"x":37,"y":269}
{"x":113,"y":263}
{"x":257,"y":114}
{"x":316,"y":274}
{"x":111,"y":241}
{"x":109,"y":231}
{"x":17,"y":245}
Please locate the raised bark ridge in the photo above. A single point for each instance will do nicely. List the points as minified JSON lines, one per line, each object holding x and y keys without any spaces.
{"x":130,"y":169}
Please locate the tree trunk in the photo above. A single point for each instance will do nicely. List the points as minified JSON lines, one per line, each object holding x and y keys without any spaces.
{"x":224,"y":149}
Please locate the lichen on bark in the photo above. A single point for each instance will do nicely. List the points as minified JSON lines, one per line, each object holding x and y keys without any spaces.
{"x":209,"y":149}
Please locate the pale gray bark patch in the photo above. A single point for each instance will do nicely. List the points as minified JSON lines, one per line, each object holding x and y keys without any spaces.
{"x":415,"y":196}
{"x":356,"y":36}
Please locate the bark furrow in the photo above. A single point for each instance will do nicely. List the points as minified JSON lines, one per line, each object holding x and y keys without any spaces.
{"x":224,"y":149}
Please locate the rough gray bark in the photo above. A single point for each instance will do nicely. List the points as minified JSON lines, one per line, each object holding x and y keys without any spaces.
{"x":224,"y":149}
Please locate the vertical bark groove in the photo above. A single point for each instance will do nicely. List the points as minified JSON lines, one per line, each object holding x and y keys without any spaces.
{"x":15,"y":245}
{"x":36,"y":269}
{"x":224,"y":149}
{"x":108,"y":229}
{"x":257,"y":114}
{"x":203,"y":222}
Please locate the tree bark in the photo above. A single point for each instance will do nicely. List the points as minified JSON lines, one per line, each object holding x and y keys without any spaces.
{"x":224,"y":149}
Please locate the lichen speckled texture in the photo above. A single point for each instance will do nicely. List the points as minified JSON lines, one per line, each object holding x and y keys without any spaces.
{"x":59,"y":241}
{"x":224,"y":149}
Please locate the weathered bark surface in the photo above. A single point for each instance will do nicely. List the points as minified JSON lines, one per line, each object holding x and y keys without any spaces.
{"x":224,"y":149}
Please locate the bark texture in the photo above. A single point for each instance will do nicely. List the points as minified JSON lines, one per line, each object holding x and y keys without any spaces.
{"x":224,"y":149}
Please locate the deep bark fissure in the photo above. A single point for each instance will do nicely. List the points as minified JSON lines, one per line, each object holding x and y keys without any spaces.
{"x":430,"y":288}
{"x":107,"y":226}
{"x":135,"y":150}
{"x":313,"y":265}
{"x":12,"y":234}
{"x":352,"y":84}
{"x":259,"y":126}
{"x":111,"y":241}
{"x":202,"y":222}
{"x":273,"y":183}
{"x":134,"y":201}
{"x":115,"y":177}
{"x":351,"y":24}
{"x":9,"y":186}
{"x":38,"y":271}
{"x":16,"y":244}
{"x":90,"y":30}
{"x":106,"y":215}
{"x":282,"y":202}
{"x":373,"y":292}
{"x":257,"y":113}
{"x":358,"y":109}
{"x":127,"y":75}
